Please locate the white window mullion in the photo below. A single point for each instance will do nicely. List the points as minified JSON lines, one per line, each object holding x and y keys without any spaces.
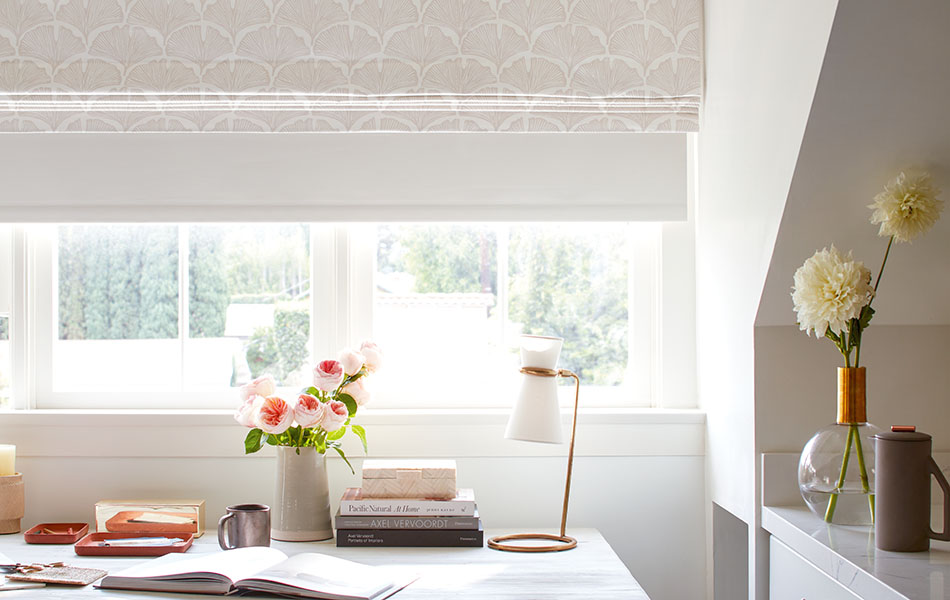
{"x":323,"y":285}
{"x":35,"y":318}
{"x":360,"y":283}
{"x":502,"y":233}
{"x":183,"y":299}
{"x":643,"y":310}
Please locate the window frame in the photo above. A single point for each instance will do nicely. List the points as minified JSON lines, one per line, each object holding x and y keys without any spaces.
{"x":342,"y":259}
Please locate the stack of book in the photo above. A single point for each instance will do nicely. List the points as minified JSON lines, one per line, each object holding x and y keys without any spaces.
{"x":408,"y":521}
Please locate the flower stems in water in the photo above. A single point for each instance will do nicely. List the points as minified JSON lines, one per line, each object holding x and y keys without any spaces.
{"x":833,"y":501}
{"x":865,"y":486}
{"x":854,"y":438}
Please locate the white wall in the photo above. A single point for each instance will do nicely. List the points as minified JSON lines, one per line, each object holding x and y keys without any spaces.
{"x":796,"y":386}
{"x":762,"y":65}
{"x":880,"y":106}
{"x":638,"y":477}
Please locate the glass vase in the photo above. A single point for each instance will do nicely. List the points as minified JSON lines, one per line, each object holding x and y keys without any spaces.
{"x":836,"y":469}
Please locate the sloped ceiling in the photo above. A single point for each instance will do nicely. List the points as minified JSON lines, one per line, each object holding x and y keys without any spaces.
{"x":880,"y":106}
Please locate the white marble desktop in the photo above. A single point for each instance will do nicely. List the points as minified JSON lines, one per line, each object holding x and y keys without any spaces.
{"x":592,"y":571}
{"x":848,"y":555}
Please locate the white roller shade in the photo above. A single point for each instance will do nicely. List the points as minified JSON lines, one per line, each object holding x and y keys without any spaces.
{"x":350,"y":65}
{"x":315,"y":177}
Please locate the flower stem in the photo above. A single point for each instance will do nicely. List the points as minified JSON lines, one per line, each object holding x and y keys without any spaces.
{"x":863,"y":469}
{"x":884,"y":262}
{"x":833,"y":501}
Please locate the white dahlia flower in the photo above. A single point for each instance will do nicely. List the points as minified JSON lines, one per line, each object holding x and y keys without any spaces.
{"x":830,"y":290}
{"x":907,"y":207}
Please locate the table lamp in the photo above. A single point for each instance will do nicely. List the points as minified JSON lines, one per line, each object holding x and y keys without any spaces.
{"x":536,"y":417}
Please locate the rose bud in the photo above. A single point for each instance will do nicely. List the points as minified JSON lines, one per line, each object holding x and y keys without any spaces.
{"x":334,"y":415}
{"x":352,"y":361}
{"x":262,"y":386}
{"x":274,"y":415}
{"x":373,"y":356}
{"x":328,"y":375}
{"x":309,"y":410}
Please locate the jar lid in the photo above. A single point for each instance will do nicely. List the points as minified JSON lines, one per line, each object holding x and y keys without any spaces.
{"x":903,"y":433}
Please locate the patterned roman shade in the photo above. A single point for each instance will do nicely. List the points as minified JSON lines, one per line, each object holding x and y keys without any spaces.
{"x":350,"y":65}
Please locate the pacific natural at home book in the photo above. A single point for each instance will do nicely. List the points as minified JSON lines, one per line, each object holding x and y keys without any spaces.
{"x":260,"y":570}
{"x":353,"y":503}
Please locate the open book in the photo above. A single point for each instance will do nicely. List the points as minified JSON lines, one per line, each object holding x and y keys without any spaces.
{"x":261,"y":570}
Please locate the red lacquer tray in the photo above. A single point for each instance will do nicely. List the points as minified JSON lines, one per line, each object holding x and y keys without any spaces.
{"x":89,"y":545}
{"x":55,"y":533}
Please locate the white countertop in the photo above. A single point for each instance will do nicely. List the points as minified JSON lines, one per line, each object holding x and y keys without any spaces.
{"x":591,"y":571}
{"x":848,"y":555}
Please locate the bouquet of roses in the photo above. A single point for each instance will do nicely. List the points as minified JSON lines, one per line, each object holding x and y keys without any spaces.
{"x":320,"y":415}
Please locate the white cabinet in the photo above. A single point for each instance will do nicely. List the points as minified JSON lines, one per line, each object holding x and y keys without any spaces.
{"x":791,"y":577}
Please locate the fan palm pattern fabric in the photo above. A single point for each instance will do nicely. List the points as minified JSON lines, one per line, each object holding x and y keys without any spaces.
{"x":350,"y":65}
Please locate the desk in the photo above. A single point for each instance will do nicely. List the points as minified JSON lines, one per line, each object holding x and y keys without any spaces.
{"x":592,"y":571}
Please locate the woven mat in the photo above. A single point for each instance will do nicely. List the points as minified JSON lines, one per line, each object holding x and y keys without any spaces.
{"x":61,"y":575}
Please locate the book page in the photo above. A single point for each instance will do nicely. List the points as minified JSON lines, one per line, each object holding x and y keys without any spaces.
{"x":328,"y":576}
{"x":231,"y":564}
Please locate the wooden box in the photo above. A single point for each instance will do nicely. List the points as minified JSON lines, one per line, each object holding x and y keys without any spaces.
{"x":409,"y":479}
{"x":151,"y":516}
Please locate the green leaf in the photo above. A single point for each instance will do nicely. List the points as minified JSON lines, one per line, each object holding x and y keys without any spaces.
{"x":831,"y":335}
{"x":359,"y":431}
{"x":272,"y":439}
{"x":336,"y":434}
{"x":312,"y":391}
{"x":866,"y":314}
{"x":252,"y":443}
{"x":349,"y":402}
{"x":343,"y":456}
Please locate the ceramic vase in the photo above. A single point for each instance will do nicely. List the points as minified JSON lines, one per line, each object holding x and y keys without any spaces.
{"x":301,"y":509}
{"x":836,"y":468}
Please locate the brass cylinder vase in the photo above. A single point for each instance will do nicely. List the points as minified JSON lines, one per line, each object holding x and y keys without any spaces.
{"x":836,"y":468}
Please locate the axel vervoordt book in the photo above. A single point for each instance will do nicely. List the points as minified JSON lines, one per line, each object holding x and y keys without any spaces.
{"x":432,"y":538}
{"x":260,"y":570}
{"x":405,"y":522}
{"x":353,"y":503}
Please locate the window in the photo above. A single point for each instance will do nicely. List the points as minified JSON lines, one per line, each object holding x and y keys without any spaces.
{"x":456,"y":298}
{"x":176,"y":316}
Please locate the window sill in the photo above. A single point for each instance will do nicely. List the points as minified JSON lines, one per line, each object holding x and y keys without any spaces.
{"x":392,"y":433}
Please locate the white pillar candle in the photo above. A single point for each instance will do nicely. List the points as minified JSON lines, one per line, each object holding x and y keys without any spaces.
{"x":7,"y":460}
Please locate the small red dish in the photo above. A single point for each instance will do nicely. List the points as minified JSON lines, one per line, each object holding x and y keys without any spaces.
{"x":90,"y":545}
{"x":55,"y":533}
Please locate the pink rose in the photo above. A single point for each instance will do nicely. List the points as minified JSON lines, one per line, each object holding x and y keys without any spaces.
{"x":334,"y":415}
{"x":373,"y":356}
{"x":352,"y":361}
{"x":328,"y":375}
{"x":262,"y":386}
{"x":309,"y":411}
{"x":245,"y":414}
{"x":358,"y":390}
{"x":274,"y":415}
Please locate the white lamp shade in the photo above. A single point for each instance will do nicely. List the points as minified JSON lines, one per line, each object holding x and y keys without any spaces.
{"x":536,"y":416}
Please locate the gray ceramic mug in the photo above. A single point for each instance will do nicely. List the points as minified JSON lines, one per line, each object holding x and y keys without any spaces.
{"x":244,"y":525}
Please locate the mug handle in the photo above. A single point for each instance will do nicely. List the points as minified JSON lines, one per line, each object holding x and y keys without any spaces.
{"x":936,"y":472}
{"x":222,"y":533}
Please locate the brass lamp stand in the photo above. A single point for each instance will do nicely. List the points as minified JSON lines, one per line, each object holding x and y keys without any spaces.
{"x":564,"y":542}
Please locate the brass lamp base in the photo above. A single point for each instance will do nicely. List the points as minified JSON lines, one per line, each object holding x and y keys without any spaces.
{"x":565,"y":542}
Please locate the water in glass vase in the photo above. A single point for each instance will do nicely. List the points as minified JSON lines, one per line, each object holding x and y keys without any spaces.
{"x":836,"y":473}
